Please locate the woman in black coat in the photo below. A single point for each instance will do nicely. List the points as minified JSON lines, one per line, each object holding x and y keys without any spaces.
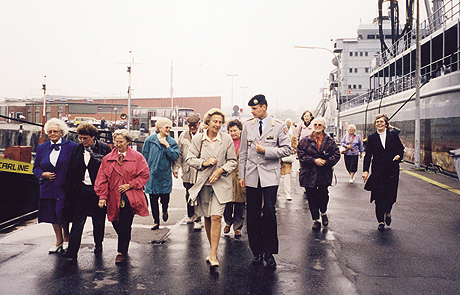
{"x":82,"y":201}
{"x":317,"y":154}
{"x":385,"y":151}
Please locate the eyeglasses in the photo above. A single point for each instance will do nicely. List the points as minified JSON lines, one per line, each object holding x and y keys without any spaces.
{"x":317,"y":124}
{"x":54,"y":131}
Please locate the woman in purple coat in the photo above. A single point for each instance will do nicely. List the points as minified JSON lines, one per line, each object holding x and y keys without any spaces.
{"x":353,"y":147}
{"x":50,"y":167}
{"x":317,"y":154}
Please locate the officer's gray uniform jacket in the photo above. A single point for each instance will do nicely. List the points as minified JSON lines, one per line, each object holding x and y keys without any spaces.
{"x":183,"y":142}
{"x":266,"y":167}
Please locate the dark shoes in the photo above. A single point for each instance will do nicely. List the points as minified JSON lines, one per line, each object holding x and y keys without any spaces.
{"x":237,"y":234}
{"x":316,"y":226}
{"x":226,"y":229}
{"x":120,"y":258}
{"x":270,"y":260}
{"x":388,"y":219}
{"x":155,"y":227}
{"x":325,"y":220}
{"x":67,"y":255}
{"x":165,"y":216}
{"x":381,"y":227}
{"x":258,"y":260}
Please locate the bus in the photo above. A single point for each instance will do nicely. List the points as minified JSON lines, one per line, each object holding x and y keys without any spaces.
{"x":143,"y":119}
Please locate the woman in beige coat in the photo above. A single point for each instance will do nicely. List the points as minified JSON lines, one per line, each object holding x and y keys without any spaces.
{"x":213,"y":155}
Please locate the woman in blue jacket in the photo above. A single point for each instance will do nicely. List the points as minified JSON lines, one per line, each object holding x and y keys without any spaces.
{"x":160,"y":150}
{"x":50,"y":167}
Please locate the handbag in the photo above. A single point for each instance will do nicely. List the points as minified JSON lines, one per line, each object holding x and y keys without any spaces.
{"x":343,"y":150}
{"x":288,"y":159}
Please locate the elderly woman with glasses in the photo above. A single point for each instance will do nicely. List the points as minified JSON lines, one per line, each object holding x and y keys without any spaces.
{"x":160,"y":150}
{"x":120,"y":186}
{"x":51,"y":167}
{"x":317,"y":153}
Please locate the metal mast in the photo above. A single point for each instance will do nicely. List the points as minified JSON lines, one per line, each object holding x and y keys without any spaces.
{"x":129,"y":89}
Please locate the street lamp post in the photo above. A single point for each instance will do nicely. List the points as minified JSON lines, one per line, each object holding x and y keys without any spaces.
{"x":232,"y":75}
{"x":338,"y":81}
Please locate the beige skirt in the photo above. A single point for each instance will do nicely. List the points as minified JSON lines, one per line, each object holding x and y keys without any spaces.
{"x":208,"y":204}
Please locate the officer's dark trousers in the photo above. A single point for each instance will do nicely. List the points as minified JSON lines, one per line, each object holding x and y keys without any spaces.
{"x":87,"y":205}
{"x":318,"y":197}
{"x":261,"y":219}
{"x":123,"y":226}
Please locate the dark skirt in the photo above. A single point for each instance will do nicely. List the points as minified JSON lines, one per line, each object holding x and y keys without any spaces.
{"x":50,"y":210}
{"x":351,"y":163}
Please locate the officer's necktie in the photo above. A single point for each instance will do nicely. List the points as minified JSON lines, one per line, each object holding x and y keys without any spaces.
{"x":260,"y":127}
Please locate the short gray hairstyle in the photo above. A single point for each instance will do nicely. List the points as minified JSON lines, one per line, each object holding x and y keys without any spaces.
{"x":55,"y":121}
{"x":352,"y":126}
{"x":319,"y":120}
{"x":162,"y":122}
{"x":124,"y":133}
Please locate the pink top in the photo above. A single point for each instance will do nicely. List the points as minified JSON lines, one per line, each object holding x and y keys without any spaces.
{"x":237,"y":143}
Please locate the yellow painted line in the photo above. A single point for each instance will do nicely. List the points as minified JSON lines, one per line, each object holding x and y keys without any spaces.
{"x":441,"y":185}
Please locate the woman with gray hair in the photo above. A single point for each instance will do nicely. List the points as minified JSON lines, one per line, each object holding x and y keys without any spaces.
{"x":51,"y":166}
{"x":353,"y":147}
{"x":317,"y":153}
{"x":213,"y":155}
{"x":120,"y":186}
{"x":160,"y":151}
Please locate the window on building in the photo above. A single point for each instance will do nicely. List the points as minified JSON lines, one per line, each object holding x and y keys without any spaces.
{"x":366,"y":70}
{"x":370,"y":36}
{"x":350,"y":70}
{"x":349,"y":86}
{"x":361,"y":53}
{"x":387,"y":36}
{"x":354,"y":86}
{"x":356,"y":70}
{"x":351,"y":53}
{"x":366,"y":53}
{"x":360,"y":86}
{"x":356,"y":53}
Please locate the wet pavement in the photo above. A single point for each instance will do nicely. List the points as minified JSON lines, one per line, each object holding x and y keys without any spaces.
{"x":418,"y":254}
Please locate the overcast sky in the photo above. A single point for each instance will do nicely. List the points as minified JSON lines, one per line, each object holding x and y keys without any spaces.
{"x":83,"y":47}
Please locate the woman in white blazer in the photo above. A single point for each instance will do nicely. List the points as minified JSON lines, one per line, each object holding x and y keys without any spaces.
{"x":213,"y":155}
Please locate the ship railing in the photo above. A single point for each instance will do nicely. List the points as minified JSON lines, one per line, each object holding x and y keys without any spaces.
{"x":446,"y":14}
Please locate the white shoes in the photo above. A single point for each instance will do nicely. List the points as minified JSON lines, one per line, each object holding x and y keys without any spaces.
{"x":197,"y":226}
{"x":288,"y":197}
{"x":55,"y":249}
{"x":351,"y":180}
{"x":65,"y":246}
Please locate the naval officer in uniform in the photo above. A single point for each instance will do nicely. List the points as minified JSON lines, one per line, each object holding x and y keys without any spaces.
{"x":263,"y":142}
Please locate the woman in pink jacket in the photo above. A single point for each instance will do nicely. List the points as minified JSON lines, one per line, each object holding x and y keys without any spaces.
{"x":119,"y":186}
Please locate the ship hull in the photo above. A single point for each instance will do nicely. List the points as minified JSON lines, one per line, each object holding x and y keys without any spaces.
{"x":439,"y":119}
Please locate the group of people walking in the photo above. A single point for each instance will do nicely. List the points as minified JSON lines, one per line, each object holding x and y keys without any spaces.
{"x":234,"y":175}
